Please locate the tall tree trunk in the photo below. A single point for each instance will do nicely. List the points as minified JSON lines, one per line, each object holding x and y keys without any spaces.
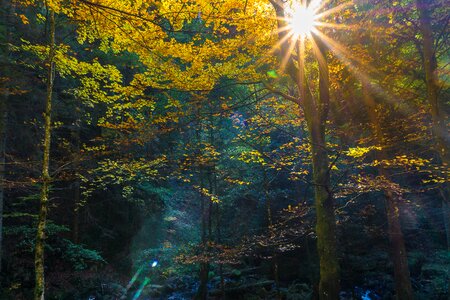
{"x":325,"y":223}
{"x":440,"y":130}
{"x":44,"y":198}
{"x":76,"y":183}
{"x":219,"y":240}
{"x":398,"y":251}
{"x":3,"y":124}
{"x":316,"y":114}
{"x":270,"y":227}
{"x":432,"y":82}
{"x":76,"y":212}
{"x":202,"y":291}
{"x":397,"y":243}
{"x":8,"y":11}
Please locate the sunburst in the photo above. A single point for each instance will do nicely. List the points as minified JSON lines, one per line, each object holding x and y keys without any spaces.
{"x":302,"y":20}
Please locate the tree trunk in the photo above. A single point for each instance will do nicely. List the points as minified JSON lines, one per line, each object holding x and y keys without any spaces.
{"x":3,"y":124}
{"x":76,"y":183}
{"x":270,"y":227}
{"x":8,"y":12}
{"x":440,"y":130}
{"x":76,"y":212}
{"x":397,"y":243}
{"x":398,"y":251}
{"x":202,"y":291}
{"x":316,"y":113}
{"x":431,"y":77}
{"x":44,"y":199}
{"x":325,"y":223}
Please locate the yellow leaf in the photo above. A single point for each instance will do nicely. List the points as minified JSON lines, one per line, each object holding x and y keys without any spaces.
{"x":24,"y":19}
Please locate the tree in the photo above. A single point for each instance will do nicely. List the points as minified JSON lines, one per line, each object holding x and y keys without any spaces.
{"x":392,"y":198}
{"x":158,"y":108}
{"x":4,"y":91}
{"x":438,"y":117}
{"x":46,"y":179}
{"x":316,"y":115}
{"x":213,"y":53}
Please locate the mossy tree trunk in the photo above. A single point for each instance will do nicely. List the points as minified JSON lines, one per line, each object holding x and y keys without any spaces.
{"x":316,"y":115}
{"x":39,"y":291}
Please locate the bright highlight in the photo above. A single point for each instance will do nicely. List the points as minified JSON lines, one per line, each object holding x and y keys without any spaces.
{"x":302,"y":20}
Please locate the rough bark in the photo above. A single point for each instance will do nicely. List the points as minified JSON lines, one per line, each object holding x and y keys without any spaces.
{"x":39,"y":291}
{"x":316,"y":114}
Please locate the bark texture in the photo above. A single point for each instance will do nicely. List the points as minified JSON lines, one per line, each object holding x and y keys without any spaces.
{"x":39,"y":291}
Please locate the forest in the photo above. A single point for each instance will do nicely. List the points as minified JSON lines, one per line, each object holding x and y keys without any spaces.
{"x":224,"y":149}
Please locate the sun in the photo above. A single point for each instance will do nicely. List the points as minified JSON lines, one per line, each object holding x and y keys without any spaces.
{"x":302,"y":20}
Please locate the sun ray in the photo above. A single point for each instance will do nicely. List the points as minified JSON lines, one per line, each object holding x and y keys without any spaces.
{"x":284,"y":28}
{"x":301,"y":18}
{"x":316,"y":50}
{"x":333,"y":10}
{"x":302,"y":23}
{"x":305,"y":22}
{"x":287,"y":56}
{"x":336,"y":26}
{"x":343,"y":53}
{"x":317,"y":5}
{"x":354,"y":65}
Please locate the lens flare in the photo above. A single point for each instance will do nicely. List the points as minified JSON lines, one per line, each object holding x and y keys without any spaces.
{"x":302,"y":20}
